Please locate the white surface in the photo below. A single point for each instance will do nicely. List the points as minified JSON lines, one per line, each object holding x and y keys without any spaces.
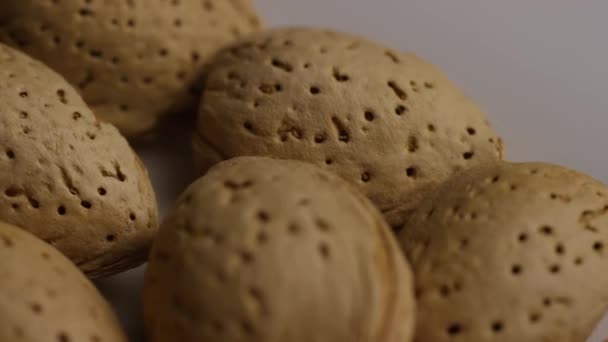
{"x":538,"y":67}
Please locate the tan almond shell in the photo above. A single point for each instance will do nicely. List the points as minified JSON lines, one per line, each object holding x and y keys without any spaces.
{"x":389,"y":123}
{"x":272,"y":250}
{"x":44,"y":297}
{"x":133,"y":61}
{"x":512,"y":252}
{"x":66,"y":177}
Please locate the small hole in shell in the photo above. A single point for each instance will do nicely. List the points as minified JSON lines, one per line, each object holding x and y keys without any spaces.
{"x":454,"y":329}
{"x":546,"y":230}
{"x":598,"y":246}
{"x":523,"y":237}
{"x":516,"y":269}
{"x":365,"y":177}
{"x":369,"y":115}
{"x":63,"y":337}
{"x":324,"y":251}
{"x":534,"y":317}
{"x":320,"y":138}
{"x":497,"y":327}
{"x":263,"y":216}
{"x":411,"y":172}
{"x":400,"y":109}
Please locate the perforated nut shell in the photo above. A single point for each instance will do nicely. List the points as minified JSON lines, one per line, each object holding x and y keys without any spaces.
{"x":132,"y":61}
{"x":67,"y":178}
{"x":513,"y":252}
{"x":389,"y":123}
{"x":269,"y":250}
{"x":44,"y":297}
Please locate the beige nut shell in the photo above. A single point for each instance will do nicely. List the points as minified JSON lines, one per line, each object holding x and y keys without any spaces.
{"x":389,"y":123}
{"x":44,"y":297}
{"x":133,"y":61}
{"x":272,"y":250}
{"x":513,"y":252}
{"x":66,"y":177}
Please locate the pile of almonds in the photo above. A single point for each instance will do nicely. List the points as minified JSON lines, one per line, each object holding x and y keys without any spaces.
{"x":348,"y":192}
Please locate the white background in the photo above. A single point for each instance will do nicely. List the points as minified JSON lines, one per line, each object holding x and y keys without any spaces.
{"x":538,"y":67}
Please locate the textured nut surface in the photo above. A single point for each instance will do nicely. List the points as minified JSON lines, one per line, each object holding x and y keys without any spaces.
{"x":132,"y":61}
{"x":389,"y":123}
{"x":514,"y":252}
{"x":66,"y":177}
{"x":272,"y":250}
{"x":44,"y":297}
